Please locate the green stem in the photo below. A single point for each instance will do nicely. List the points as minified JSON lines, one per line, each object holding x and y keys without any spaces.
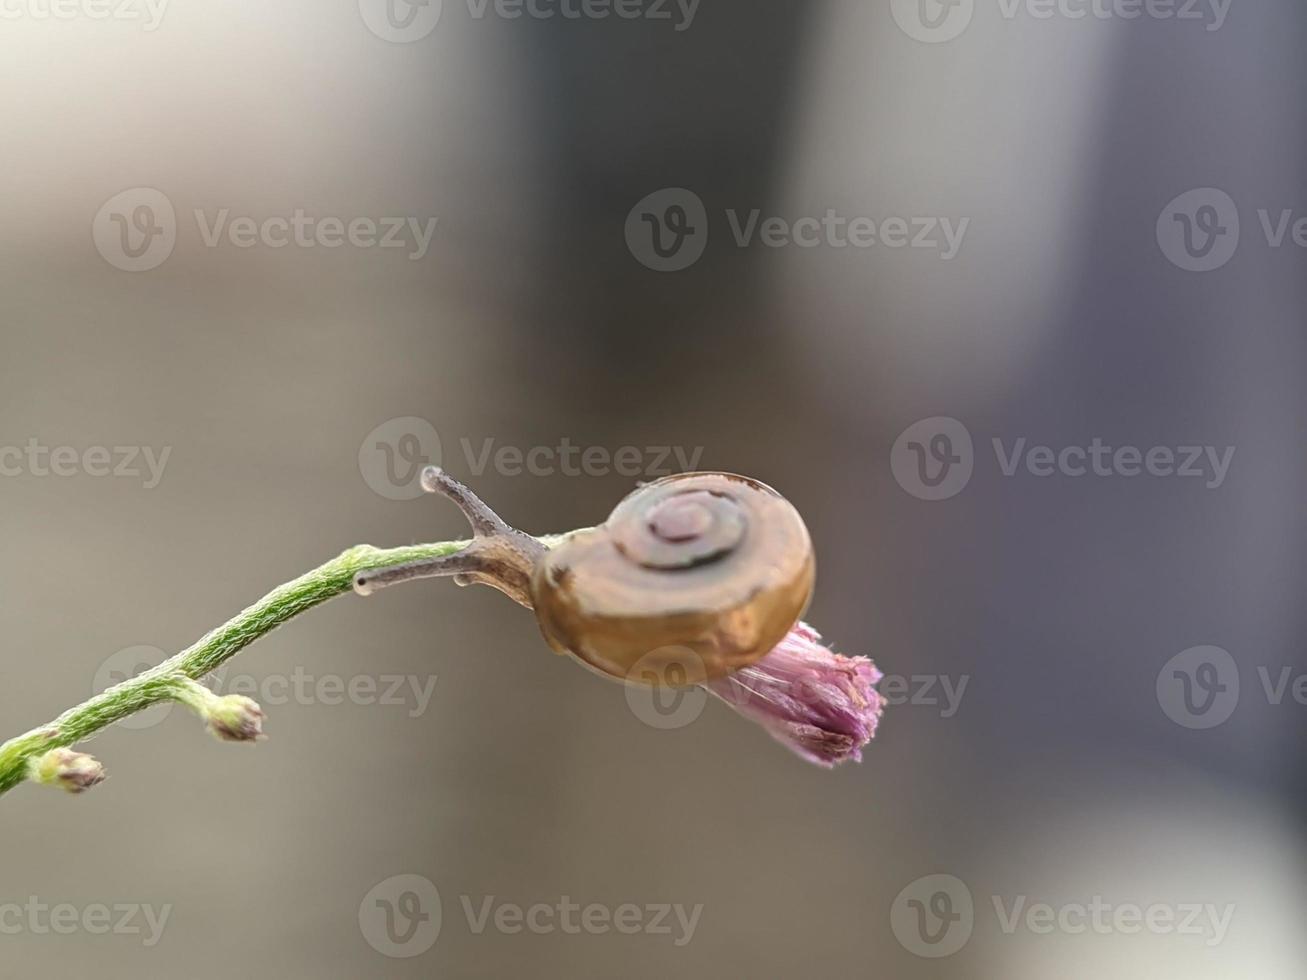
{"x":211,"y":651}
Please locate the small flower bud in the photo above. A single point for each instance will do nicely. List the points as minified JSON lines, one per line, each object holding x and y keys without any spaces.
{"x":69,"y":770}
{"x":235,"y":718}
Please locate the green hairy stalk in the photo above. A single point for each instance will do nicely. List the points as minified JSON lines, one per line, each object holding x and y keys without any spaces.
{"x":42,"y":754}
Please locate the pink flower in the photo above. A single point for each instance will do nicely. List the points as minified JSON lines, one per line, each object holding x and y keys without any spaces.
{"x":822,"y":705}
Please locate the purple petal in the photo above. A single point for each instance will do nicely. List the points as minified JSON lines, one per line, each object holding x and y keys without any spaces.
{"x":822,"y":705}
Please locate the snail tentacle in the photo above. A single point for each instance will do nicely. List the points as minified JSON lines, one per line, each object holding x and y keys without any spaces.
{"x":499,"y":555}
{"x":477,"y":511}
{"x":462,"y":562}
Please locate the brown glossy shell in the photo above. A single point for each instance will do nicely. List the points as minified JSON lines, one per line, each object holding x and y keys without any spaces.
{"x":690,"y":578}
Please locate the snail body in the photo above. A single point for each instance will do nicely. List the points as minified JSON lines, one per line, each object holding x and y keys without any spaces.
{"x":691,"y":577}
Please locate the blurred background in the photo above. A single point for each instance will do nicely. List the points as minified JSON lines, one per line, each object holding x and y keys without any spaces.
{"x":260,"y":262}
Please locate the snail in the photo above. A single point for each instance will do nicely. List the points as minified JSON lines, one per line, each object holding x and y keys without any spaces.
{"x":691,"y":578}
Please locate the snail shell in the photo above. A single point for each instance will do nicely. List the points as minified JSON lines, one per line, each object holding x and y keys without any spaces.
{"x":690,"y":578}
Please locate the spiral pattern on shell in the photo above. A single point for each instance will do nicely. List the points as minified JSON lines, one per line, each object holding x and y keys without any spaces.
{"x":691,"y":578}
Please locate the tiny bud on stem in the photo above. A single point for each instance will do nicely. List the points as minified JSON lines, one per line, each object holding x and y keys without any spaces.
{"x":237,"y":719}
{"x":69,"y":770}
{"x":233,"y":718}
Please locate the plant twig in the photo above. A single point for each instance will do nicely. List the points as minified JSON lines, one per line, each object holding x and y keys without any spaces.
{"x":171,"y":678}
